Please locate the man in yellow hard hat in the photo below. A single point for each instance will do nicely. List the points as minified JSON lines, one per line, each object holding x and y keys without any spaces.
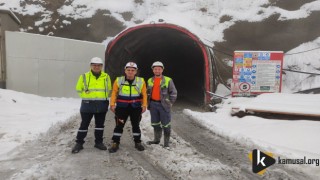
{"x":94,"y":89}
{"x":129,"y":98}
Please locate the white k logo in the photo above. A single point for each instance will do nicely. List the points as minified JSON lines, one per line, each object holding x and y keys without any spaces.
{"x":260,"y":160}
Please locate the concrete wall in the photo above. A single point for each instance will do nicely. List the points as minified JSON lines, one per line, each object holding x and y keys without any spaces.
{"x":45,"y":65}
{"x":8,"y":22}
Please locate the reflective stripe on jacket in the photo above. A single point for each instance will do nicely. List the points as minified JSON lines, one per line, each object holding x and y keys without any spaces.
{"x":91,"y":88}
{"x":168,"y":91}
{"x":124,"y":94}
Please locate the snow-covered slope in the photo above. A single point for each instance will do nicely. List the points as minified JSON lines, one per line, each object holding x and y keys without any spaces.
{"x":229,"y":25}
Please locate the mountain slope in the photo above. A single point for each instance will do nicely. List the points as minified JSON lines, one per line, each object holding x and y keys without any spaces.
{"x":229,"y":25}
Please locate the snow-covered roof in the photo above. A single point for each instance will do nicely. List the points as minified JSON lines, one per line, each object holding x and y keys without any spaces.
{"x":8,"y":11}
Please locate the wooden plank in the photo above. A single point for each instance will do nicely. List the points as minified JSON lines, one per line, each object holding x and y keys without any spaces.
{"x":282,"y":112}
{"x":307,"y":105}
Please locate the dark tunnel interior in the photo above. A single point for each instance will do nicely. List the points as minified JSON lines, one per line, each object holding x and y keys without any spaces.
{"x":181,"y":56}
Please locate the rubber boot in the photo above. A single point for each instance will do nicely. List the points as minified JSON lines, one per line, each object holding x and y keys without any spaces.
{"x":100,"y":146}
{"x":166,"y":133}
{"x":139,"y":146}
{"x":114,"y":147}
{"x":77,"y":148}
{"x":157,"y":136}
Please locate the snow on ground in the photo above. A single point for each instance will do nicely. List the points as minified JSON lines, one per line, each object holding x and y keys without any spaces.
{"x":283,"y":103}
{"x":24,"y":116}
{"x":182,"y":160}
{"x":293,"y":139}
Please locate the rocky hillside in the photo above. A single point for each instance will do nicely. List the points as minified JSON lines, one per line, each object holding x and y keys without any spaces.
{"x":274,"y":32}
{"x":95,"y":29}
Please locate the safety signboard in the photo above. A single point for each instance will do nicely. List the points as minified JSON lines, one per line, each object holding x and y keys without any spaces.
{"x":256,"y":72}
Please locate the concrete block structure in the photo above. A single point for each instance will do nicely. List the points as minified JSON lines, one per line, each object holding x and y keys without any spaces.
{"x":8,"y":22}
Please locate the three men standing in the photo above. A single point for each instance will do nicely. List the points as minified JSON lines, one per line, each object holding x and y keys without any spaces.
{"x":162,"y":93}
{"x":128,"y":99}
{"x":94,"y":89}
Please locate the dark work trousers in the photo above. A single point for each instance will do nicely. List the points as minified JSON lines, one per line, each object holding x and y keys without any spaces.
{"x":121,"y":117}
{"x":98,"y":130}
{"x":159,"y":117}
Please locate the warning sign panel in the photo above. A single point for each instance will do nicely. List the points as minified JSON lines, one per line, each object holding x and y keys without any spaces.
{"x":244,"y":87}
{"x":256,"y":72}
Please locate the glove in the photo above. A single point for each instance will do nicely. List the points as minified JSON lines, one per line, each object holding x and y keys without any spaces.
{"x":168,"y":102}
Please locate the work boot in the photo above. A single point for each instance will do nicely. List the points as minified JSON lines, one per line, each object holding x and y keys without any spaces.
{"x":157,"y":137}
{"x":139,"y":146}
{"x":114,"y":147}
{"x":100,"y":146}
{"x":78,"y":147}
{"x":166,"y":139}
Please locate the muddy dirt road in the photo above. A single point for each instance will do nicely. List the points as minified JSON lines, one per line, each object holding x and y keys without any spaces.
{"x":195,"y":153}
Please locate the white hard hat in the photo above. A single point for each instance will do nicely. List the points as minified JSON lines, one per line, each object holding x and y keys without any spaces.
{"x":131,"y":65}
{"x":96,"y":60}
{"x":157,"y":63}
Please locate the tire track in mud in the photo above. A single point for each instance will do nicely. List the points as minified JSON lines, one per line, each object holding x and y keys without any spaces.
{"x":49,"y":157}
{"x":126,"y":148}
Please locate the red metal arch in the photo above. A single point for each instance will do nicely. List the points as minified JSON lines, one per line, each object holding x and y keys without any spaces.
{"x":178,"y":28}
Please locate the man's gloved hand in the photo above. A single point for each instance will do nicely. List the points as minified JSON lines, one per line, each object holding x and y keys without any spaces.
{"x":168,"y":102}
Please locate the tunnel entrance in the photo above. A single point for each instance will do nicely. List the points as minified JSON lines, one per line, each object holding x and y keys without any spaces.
{"x":184,"y":56}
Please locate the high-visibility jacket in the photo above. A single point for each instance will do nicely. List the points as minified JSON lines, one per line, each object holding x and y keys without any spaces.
{"x":124,"y":94}
{"x":91,"y":88}
{"x":168,"y":91}
{"x":94,"y":92}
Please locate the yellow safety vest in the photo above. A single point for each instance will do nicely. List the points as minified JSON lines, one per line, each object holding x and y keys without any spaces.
{"x":129,"y":94}
{"x":91,"y":88}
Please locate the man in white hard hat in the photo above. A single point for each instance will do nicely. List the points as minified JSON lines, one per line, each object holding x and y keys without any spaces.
{"x":129,"y":98}
{"x":162,"y":93}
{"x":94,"y":88}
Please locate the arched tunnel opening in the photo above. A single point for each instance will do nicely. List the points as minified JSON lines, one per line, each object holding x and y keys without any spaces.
{"x":184,"y":56}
